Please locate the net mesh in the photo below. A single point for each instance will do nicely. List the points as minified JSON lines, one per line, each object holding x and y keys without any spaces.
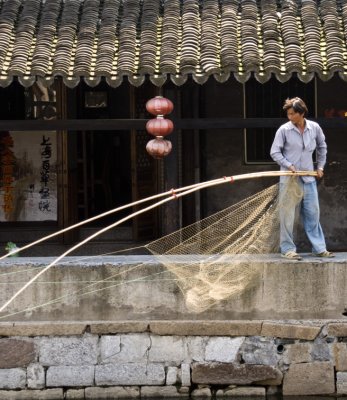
{"x":212,"y":258}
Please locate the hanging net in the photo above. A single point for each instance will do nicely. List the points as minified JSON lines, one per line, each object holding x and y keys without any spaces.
{"x":212,"y":258}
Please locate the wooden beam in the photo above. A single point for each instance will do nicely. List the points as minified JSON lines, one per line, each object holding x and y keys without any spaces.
{"x":128,"y":124}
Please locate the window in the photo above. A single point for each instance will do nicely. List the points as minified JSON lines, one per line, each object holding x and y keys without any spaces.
{"x":266,"y":101}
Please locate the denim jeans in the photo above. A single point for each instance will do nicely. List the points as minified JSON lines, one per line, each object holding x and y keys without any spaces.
{"x":309,"y":213}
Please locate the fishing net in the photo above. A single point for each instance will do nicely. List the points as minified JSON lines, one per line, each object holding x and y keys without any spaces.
{"x":212,"y":258}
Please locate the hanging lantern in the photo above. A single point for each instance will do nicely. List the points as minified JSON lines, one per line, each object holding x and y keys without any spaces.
{"x":159,"y":126}
{"x":159,"y":106}
{"x":159,"y":147}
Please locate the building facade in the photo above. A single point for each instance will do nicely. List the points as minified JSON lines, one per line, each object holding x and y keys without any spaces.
{"x":75,"y":77}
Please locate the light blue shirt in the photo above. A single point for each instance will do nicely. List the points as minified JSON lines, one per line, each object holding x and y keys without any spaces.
{"x":290,"y":147}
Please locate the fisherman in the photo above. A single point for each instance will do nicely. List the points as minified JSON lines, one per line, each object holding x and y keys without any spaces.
{"x":293,"y":148}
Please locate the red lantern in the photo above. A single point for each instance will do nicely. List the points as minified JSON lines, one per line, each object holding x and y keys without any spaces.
{"x":159,"y":106}
{"x":159,"y":126}
{"x":159,"y":147}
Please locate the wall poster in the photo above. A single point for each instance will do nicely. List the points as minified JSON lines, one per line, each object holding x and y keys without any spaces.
{"x":28,"y":176}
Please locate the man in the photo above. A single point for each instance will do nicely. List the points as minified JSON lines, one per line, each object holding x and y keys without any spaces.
{"x":292,"y":149}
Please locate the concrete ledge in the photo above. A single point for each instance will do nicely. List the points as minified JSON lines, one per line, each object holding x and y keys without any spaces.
{"x":140,"y":288}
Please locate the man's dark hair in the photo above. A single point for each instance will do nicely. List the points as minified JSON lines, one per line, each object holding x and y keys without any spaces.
{"x":297,"y":105}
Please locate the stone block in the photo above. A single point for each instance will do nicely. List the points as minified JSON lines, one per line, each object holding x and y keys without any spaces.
{"x":36,"y":376}
{"x":309,"y":379}
{"x":160,"y":392}
{"x":184,"y":390}
{"x":260,"y":350}
{"x":196,"y":346}
{"x":246,"y":391}
{"x":338,"y":329}
{"x":339,"y":351}
{"x":185,"y":375}
{"x":274,"y":381}
{"x":14,"y":378}
{"x":341,"y":383}
{"x":118,"y":392}
{"x":171,"y":376}
{"x":124,"y":348}
{"x":223,"y":349}
{"x":16,"y":353}
{"x":70,"y":376}
{"x":221,"y":392}
{"x":201,"y":393}
{"x":109,"y":347}
{"x":57,"y":351}
{"x":290,"y":331}
{"x":226,"y":374}
{"x":206,"y":328}
{"x":168,"y":349}
{"x":129,"y":374}
{"x":112,"y":327}
{"x":47,"y":394}
{"x":75,"y":394}
{"x":321,"y":350}
{"x":297,"y":353}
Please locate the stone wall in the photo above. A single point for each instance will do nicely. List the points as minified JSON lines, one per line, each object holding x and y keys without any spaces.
{"x":170,"y":359}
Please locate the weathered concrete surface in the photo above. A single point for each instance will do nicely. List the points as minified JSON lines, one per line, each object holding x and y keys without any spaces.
{"x":140,"y":288}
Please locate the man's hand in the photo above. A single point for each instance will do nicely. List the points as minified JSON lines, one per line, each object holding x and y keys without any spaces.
{"x":320,"y":173}
{"x":292,"y":168}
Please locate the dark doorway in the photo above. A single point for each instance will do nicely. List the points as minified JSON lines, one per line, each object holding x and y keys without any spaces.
{"x":103,"y":172}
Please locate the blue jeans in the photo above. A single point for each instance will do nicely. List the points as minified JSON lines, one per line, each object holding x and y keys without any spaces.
{"x":309,"y":212}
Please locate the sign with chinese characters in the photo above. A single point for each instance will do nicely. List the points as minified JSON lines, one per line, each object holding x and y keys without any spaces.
{"x":28,"y":176}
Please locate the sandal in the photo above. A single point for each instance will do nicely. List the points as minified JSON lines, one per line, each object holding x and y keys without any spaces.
{"x":291,"y":255}
{"x":325,"y":254}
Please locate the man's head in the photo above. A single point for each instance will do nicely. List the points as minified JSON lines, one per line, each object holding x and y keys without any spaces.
{"x":297,"y":105}
{"x":296,"y":110}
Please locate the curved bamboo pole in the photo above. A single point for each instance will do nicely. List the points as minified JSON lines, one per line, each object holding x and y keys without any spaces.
{"x":173,"y":196}
{"x":112,"y":211}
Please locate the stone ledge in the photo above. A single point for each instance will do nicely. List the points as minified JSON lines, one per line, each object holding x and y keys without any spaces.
{"x":206,"y":328}
{"x":295,"y":329}
{"x":113,"y":327}
{"x":290,"y":331}
{"x":58,"y":328}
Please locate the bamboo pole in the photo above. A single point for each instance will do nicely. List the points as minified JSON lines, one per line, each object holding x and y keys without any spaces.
{"x":173,"y":196}
{"x":96,"y":217}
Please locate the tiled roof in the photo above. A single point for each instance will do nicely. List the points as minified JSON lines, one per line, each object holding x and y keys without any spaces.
{"x":171,"y":39}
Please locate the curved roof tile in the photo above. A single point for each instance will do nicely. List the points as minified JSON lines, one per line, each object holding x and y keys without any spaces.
{"x":171,"y":39}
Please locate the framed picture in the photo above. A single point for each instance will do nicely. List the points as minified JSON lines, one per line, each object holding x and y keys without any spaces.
{"x":28,"y":176}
